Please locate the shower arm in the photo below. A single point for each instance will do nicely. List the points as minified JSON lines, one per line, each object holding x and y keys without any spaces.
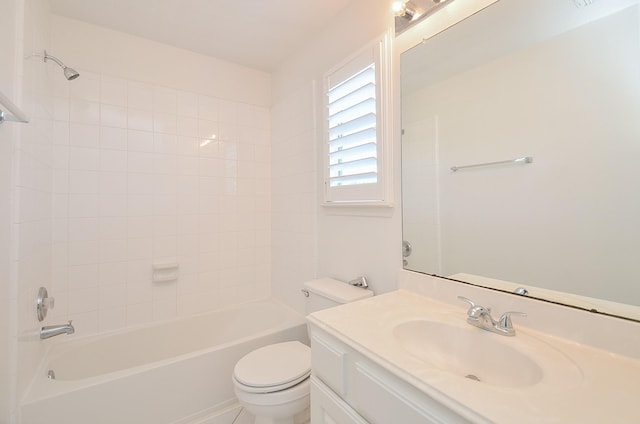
{"x":69,"y":73}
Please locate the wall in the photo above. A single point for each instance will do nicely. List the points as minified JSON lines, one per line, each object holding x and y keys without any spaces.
{"x":310,"y":241}
{"x":160,"y":155}
{"x":25,"y":176}
{"x":8,"y":86}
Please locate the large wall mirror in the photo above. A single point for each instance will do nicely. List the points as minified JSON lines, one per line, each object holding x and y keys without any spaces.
{"x":521,"y":151}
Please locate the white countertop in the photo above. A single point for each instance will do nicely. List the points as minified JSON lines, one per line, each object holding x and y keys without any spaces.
{"x":582,"y":384}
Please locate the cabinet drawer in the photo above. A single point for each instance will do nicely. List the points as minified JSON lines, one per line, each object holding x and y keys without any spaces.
{"x":328,"y":362}
{"x":381,"y":401}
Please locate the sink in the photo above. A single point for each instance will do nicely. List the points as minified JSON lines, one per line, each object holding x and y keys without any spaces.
{"x":469,"y":352}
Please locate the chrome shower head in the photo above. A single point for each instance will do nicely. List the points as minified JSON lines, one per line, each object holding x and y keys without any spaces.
{"x":69,"y":73}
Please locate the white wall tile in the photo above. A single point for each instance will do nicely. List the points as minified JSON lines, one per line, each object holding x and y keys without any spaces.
{"x":146,"y":173}
{"x":113,"y":116}
{"x":138,"y":227}
{"x":113,"y":205}
{"x":82,"y":135}
{"x":140,"y":205}
{"x":113,"y":91}
{"x":207,"y":129}
{"x":61,"y":133}
{"x":165,"y":248}
{"x":113,"y":138}
{"x":82,"y":276}
{"x":164,"y":123}
{"x":113,"y":250}
{"x":139,"y":313}
{"x":83,"y":159}
{"x":82,"y":205}
{"x":187,"y":104}
{"x":84,"y":112}
{"x":61,"y":109}
{"x":83,"y":300}
{"x":86,"y":88}
{"x":110,"y":319}
{"x":187,"y":126}
{"x":139,"y":291}
{"x":83,"y":229}
{"x":113,"y":160}
{"x":165,"y":100}
{"x":140,"y":162}
{"x":140,"y":96}
{"x":83,"y":182}
{"x":140,"y":119}
{"x":165,"y":143}
{"x":208,"y":108}
{"x":113,"y":227}
{"x":164,"y":309}
{"x":112,"y":183}
{"x":140,"y":248}
{"x":83,"y":253}
{"x":188,"y":146}
{"x":140,"y":141}
{"x":113,"y":273}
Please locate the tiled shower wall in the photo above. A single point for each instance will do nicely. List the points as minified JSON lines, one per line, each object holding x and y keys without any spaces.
{"x":147,"y":174}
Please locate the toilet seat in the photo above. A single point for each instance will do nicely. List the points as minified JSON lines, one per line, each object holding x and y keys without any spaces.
{"x":273,"y":368}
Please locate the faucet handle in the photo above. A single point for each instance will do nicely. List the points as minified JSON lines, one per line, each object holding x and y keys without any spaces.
{"x":475,"y":311}
{"x":505,"y":319}
{"x":469,"y":301}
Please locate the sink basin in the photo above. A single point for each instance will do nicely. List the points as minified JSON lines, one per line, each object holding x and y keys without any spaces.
{"x":469,"y":352}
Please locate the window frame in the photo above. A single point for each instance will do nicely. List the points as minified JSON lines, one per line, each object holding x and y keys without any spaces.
{"x":374,"y":194}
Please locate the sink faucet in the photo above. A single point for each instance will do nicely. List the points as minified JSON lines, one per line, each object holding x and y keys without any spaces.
{"x":480,"y":317}
{"x":55,"y":330}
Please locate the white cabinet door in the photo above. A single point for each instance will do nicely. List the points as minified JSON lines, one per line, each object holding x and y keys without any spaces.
{"x":328,"y":408}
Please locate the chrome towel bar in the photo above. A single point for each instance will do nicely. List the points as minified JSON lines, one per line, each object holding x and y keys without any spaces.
{"x":525,"y":159}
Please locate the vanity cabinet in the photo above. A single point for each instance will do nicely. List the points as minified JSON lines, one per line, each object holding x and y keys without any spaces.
{"x":349,"y":388}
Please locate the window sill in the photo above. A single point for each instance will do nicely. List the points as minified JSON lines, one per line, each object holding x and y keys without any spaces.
{"x":376,"y":209}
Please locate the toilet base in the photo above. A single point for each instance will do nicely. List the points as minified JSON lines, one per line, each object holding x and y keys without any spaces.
{"x":303,"y":417}
{"x":289,"y":406}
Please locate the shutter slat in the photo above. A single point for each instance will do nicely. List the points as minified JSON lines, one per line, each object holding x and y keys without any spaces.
{"x":350,"y":127}
{"x":352,"y":84}
{"x":352,"y":121}
{"x":365,"y":178}
{"x":352,"y":168}
{"x":367,"y":135}
{"x":356,"y":110}
{"x":358,"y":152}
{"x":366,"y":92}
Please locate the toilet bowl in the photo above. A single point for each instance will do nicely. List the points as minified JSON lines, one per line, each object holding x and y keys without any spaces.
{"x":273,"y":382}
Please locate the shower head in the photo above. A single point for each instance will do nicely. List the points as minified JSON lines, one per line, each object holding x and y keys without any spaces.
{"x":69,"y":73}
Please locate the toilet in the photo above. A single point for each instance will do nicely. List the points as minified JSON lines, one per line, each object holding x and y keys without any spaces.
{"x":272,"y":382}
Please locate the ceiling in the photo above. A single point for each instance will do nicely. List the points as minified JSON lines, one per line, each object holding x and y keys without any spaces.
{"x":260,"y":34}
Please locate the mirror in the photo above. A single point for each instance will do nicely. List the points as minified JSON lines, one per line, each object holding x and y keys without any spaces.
{"x":556,"y":82}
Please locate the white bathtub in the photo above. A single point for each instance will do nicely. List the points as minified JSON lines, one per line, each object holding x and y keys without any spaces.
{"x":175,"y":372}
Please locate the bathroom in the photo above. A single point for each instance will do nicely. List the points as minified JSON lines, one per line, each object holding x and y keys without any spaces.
{"x":226,"y":160}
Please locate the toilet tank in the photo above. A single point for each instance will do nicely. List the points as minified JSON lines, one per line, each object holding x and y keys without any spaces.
{"x":326,"y":293}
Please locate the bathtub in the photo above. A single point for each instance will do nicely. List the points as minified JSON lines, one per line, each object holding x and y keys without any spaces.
{"x":176,"y":372}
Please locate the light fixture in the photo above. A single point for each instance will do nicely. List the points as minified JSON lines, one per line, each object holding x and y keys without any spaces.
{"x":403,"y":9}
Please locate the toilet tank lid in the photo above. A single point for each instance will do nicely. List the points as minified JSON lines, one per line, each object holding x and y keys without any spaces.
{"x":337,"y":290}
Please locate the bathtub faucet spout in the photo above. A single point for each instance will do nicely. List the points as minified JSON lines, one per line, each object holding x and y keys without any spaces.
{"x":55,"y":330}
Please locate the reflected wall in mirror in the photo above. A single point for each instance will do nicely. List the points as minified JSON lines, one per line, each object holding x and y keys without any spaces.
{"x":553,"y":80}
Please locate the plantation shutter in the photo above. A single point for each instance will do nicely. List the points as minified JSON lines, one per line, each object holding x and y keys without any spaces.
{"x":353,"y":155}
{"x":356,"y":160}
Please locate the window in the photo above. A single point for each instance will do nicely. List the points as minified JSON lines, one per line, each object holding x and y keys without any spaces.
{"x":356,"y":94}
